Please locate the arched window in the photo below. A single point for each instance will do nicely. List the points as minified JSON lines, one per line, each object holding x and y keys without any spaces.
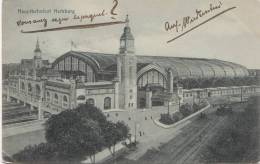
{"x":90,"y":101}
{"x":65,"y":101}
{"x":153,"y":77}
{"x":56,"y":98}
{"x":48,"y":97}
{"x":38,"y":90}
{"x":23,"y":86}
{"x":29,"y":87}
{"x":107,"y":103}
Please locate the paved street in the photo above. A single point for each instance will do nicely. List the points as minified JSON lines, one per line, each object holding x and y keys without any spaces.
{"x":151,"y":136}
{"x":177,"y":145}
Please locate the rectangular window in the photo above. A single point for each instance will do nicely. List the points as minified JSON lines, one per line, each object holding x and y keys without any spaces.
{"x":67,"y":64}
{"x":61,"y":65}
{"x":89,"y":74}
{"x":74,"y":64}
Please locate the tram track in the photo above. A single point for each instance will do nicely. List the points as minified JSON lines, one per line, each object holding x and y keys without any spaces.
{"x":179,"y":149}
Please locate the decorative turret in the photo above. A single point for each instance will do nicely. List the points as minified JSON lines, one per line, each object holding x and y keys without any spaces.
{"x":37,"y":56}
{"x":37,"y":51}
{"x":127,"y":39}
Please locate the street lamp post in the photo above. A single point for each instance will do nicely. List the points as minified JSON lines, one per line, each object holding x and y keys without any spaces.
{"x":136,"y":126}
{"x":135,"y":132}
{"x":168,"y":107}
{"x":179,"y":102}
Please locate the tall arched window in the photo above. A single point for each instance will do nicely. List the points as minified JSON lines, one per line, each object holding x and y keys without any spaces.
{"x":38,"y":90}
{"x":151,"y":77}
{"x":91,"y":101}
{"x":23,"y":86}
{"x":29,"y":87}
{"x":107,"y":103}
{"x":48,"y":96}
{"x":65,"y":101}
{"x":56,"y":98}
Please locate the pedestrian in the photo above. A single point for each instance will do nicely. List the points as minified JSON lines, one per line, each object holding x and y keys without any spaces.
{"x":140,"y":133}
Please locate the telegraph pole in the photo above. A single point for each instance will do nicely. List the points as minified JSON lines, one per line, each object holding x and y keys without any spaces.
{"x":241,"y":95}
{"x":135,"y":132}
{"x":168,"y":107}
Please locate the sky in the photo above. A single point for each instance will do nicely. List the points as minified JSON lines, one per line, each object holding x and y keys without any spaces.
{"x":233,"y":36}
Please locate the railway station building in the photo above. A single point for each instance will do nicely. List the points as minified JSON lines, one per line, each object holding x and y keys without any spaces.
{"x":126,"y":80}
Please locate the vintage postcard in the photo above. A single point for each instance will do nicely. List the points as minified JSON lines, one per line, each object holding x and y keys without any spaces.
{"x":130,"y":81}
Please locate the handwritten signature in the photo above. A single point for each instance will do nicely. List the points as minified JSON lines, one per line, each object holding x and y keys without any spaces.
{"x":187,"y":21}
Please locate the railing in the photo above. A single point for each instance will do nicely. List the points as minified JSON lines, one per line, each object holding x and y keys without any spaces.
{"x":52,"y":108}
{"x":26,"y":97}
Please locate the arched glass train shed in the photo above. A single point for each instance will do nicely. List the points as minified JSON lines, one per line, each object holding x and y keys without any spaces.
{"x":92,"y":67}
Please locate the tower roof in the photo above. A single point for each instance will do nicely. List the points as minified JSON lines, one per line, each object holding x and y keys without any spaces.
{"x":127,"y":31}
{"x":37,"y":48}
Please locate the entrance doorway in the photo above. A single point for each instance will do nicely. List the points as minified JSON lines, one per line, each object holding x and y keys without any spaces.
{"x":142,"y":103}
{"x":157,"y":91}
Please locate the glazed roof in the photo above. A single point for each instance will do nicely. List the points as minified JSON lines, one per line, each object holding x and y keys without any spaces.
{"x":181,"y":67}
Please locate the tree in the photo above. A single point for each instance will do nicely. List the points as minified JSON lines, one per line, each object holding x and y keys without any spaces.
{"x":90,"y":111}
{"x":92,"y":141}
{"x":113,"y":133}
{"x":75,"y":135}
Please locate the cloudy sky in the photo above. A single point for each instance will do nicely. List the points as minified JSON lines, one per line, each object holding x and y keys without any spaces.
{"x":233,"y":36}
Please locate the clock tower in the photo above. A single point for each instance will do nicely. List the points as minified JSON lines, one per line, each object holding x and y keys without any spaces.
{"x":126,"y":70}
{"x":37,"y":56}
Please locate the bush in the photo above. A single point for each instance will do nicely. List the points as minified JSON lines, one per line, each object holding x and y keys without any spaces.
{"x":177,"y":115}
{"x":41,"y":152}
{"x":166,"y":119}
{"x":196,"y":107}
{"x":186,"y":110}
{"x":203,"y":104}
{"x":217,"y":82}
{"x":175,"y":118}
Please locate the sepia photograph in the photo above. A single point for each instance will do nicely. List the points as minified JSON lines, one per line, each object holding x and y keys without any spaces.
{"x":130,"y":81}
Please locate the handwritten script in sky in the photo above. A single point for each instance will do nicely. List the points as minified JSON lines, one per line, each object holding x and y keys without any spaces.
{"x":91,"y":17}
{"x":185,"y":25}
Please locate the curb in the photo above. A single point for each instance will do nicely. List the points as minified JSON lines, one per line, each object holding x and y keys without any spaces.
{"x":158,"y":123}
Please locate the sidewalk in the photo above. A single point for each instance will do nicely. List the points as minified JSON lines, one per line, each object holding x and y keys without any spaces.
{"x":105,"y":154}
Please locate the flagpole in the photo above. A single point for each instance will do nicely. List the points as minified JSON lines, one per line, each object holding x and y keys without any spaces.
{"x":71,"y":45}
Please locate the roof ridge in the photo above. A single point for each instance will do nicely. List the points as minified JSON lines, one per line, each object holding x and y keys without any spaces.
{"x":93,"y":52}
